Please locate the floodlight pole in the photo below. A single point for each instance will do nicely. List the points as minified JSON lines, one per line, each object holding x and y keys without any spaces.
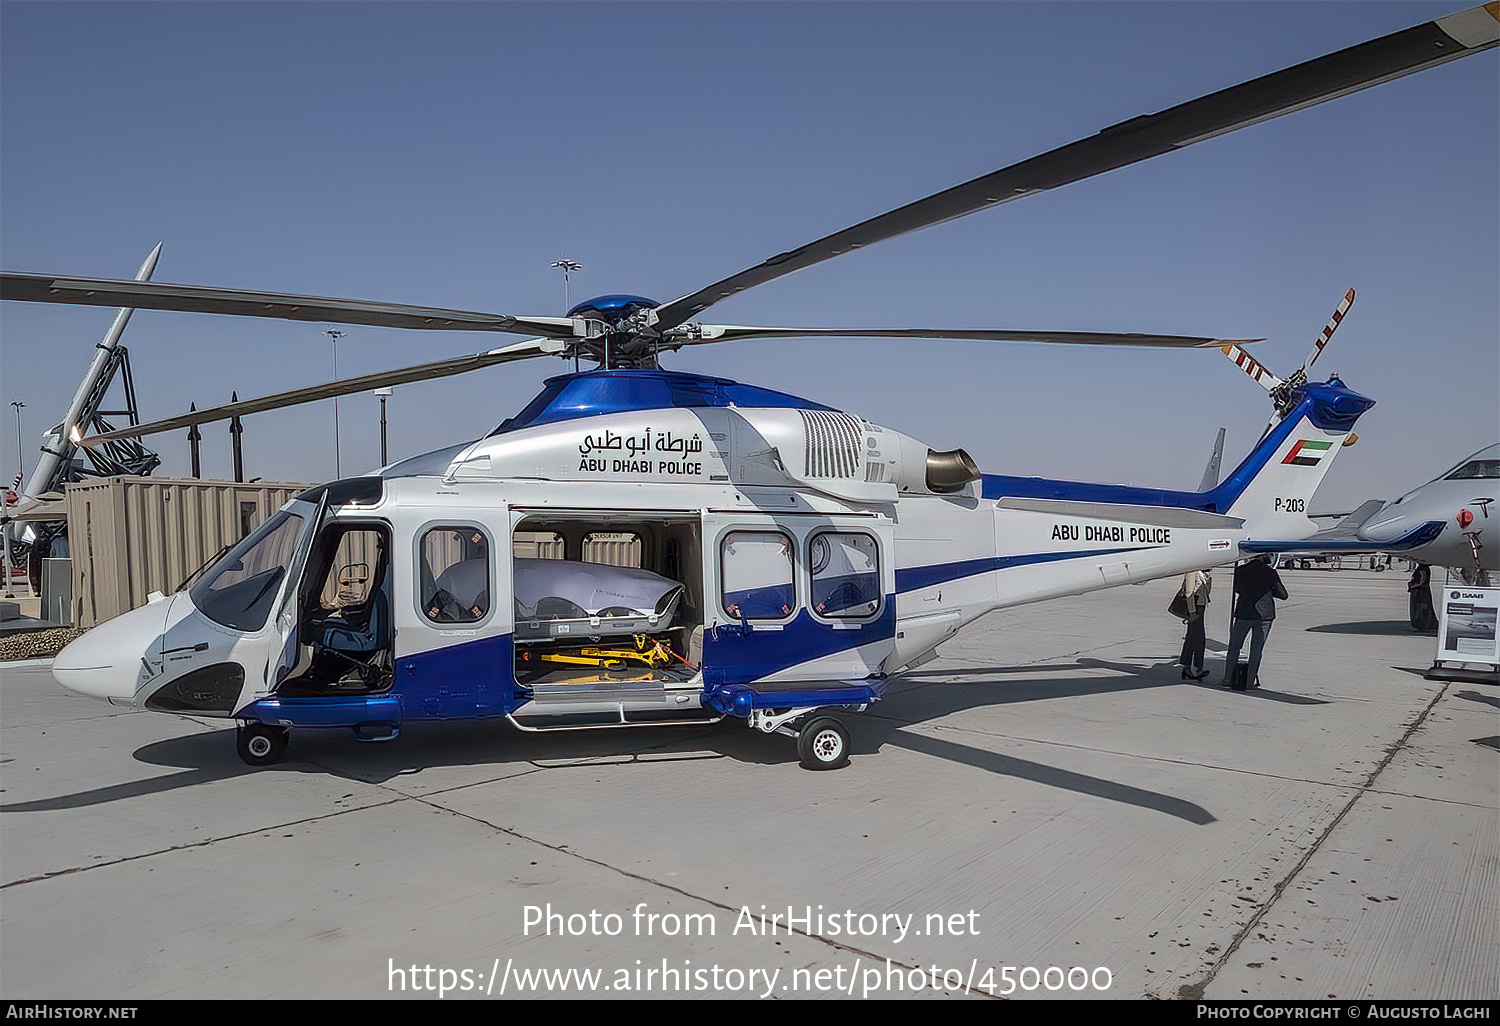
{"x":333,"y":336}
{"x":384,"y":394}
{"x":20,"y":451}
{"x":567,"y":267}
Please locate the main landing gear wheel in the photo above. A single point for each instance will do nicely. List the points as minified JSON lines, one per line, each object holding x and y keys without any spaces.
{"x":823,"y":744}
{"x":259,"y":744}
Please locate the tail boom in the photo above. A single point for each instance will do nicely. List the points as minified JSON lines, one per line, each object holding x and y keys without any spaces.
{"x":1057,"y":538}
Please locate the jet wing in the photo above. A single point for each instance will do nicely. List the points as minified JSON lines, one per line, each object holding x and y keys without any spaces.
{"x":1348,"y":527}
{"x":1337,"y":540}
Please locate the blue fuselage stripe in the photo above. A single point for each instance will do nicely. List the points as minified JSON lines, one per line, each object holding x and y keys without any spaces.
{"x":1329,"y":407}
{"x":916,"y":577}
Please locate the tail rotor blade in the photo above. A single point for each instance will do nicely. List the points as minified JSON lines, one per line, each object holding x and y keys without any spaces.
{"x":1251,"y":366}
{"x":1328,"y":330}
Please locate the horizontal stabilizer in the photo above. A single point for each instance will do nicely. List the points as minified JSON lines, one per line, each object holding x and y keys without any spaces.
{"x":1327,"y":542}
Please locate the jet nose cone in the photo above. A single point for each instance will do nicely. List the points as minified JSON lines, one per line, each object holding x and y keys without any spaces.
{"x":106,"y":662}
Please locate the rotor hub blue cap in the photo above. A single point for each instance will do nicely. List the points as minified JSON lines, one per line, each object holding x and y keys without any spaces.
{"x":612,"y":309}
{"x":1335,"y":406}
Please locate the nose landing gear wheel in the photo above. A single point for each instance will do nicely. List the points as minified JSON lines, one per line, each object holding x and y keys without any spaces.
{"x":823,"y":744}
{"x":259,"y":744}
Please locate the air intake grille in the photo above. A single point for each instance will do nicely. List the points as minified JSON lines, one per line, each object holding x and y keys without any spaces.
{"x":832,"y":444}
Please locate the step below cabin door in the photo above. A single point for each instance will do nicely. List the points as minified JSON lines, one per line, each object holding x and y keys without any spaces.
{"x":796,"y":597}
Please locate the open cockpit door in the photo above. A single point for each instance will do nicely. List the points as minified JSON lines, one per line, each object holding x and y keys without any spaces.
{"x":284,"y":624}
{"x":232,"y":635}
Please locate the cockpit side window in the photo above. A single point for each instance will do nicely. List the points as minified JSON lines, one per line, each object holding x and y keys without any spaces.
{"x":1475,"y":470}
{"x":239,"y":590}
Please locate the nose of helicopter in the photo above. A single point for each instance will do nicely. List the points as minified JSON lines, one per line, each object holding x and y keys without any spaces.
{"x":106,"y":662}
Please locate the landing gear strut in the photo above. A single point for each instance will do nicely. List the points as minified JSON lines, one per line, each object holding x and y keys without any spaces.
{"x":822,"y":741}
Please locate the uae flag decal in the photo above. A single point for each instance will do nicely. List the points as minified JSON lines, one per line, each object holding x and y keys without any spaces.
{"x":1307,"y":454}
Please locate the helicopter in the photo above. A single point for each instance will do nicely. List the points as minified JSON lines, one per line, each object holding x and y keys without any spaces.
{"x":644,"y":547}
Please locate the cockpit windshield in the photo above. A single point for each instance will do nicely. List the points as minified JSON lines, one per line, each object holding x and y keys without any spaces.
{"x":239,"y":589}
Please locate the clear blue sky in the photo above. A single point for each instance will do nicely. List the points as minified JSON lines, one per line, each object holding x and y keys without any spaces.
{"x":446,"y":154}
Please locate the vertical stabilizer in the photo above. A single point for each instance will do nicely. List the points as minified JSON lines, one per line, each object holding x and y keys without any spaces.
{"x":1292,"y":460}
{"x":1215,"y":460}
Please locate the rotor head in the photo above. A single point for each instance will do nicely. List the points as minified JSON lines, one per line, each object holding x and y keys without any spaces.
{"x":621,"y":331}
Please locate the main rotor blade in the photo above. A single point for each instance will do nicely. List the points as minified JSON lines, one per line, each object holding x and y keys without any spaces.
{"x":701,"y":334}
{"x":347,"y":386}
{"x":1149,"y":135}
{"x":41,"y":288}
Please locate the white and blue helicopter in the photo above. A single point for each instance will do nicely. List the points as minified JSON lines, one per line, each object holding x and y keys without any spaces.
{"x":643,"y":547}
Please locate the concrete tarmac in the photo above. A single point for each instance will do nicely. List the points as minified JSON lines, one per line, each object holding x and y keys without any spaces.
{"x":1047,"y":794}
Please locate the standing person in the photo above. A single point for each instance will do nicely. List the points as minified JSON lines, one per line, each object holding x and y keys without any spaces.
{"x":1195,"y":588}
{"x":1257,"y":586}
{"x":1420,"y":608}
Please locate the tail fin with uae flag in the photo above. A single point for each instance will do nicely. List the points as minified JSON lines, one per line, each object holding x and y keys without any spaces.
{"x":1273,"y":489}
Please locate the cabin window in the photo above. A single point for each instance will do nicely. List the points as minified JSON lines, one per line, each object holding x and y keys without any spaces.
{"x":537,"y":545}
{"x":756,"y":575}
{"x":455,"y":574}
{"x":845,"y":571}
{"x":612,"y":548}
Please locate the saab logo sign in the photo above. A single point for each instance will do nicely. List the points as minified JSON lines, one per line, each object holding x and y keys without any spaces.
{"x":1307,"y":453}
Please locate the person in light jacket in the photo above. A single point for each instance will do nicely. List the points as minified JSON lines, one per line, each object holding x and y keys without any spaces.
{"x":1196,"y":585}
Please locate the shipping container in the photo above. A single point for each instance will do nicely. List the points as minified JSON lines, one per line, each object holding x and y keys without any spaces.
{"x":130,"y":536}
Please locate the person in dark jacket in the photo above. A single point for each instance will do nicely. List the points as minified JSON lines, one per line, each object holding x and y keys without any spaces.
{"x":1257,"y":586}
{"x":1419,"y":589}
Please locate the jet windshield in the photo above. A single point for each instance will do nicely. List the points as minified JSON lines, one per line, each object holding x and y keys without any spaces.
{"x":1474,"y":470}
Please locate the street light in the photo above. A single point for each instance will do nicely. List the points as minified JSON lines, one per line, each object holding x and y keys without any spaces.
{"x":568,"y":266}
{"x":333,"y":336}
{"x":5,"y":528}
{"x":20,"y":452}
{"x":384,"y":394}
